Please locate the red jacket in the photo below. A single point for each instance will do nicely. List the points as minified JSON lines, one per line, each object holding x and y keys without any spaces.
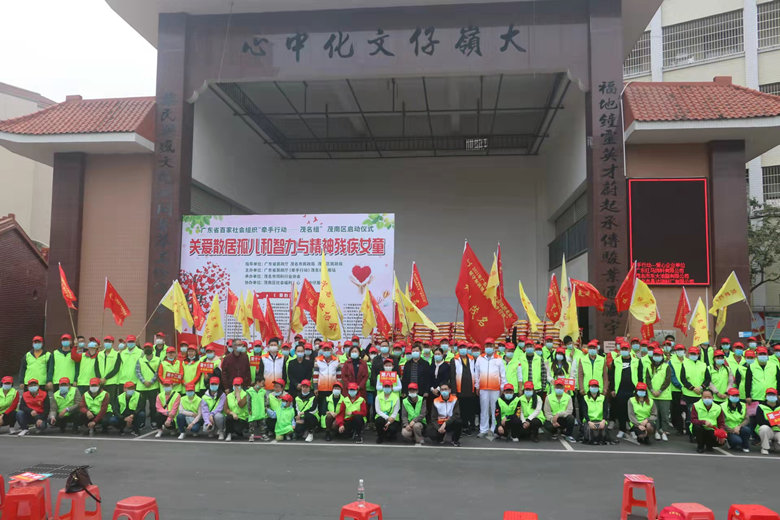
{"x":340,"y":416}
{"x":361,"y":378}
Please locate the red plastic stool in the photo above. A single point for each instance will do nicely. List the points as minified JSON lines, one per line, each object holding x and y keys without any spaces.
{"x":517,"y":515}
{"x":24,"y":503}
{"x":136,"y":508}
{"x":78,"y":505}
{"x":353,"y":510}
{"x":686,"y":511}
{"x":43,"y":484}
{"x":751,"y":512}
{"x":2,"y":492}
{"x":632,"y":482}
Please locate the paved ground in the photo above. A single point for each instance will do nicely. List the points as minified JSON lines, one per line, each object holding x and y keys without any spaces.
{"x":199,"y":478}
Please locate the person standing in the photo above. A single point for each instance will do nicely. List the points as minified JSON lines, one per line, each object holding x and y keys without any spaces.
{"x":236,"y":365}
{"x":128,"y":410}
{"x":257,"y":410}
{"x":558,"y":409}
{"x":659,"y":383}
{"x":327,"y":370}
{"x":438,"y":374}
{"x":190,"y":366}
{"x":721,"y":378}
{"x":35,"y":363}
{"x":148,"y":386}
{"x":675,"y":407}
{"x":623,"y":378}
{"x":64,"y":362}
{"x":416,"y":370}
{"x":355,"y":370}
{"x":109,"y":365}
{"x":462,"y":382}
{"x":299,"y":369}
{"x":211,"y":409}
{"x":413,"y":416}
{"x":768,"y":433}
{"x":706,"y":416}
{"x":9,"y":402}
{"x":761,"y":375}
{"x":445,"y":417}
{"x":274,"y":365}
{"x":737,"y":422}
{"x":64,"y":406}
{"x":88,"y":366}
{"x":490,"y":378}
{"x":128,"y":361}
{"x":33,"y":408}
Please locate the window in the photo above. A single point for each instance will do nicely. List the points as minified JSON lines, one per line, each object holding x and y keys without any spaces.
{"x":706,"y":39}
{"x":770,"y":88}
{"x":638,"y":61}
{"x":771,"y":176}
{"x":571,"y":232}
{"x":769,"y":25}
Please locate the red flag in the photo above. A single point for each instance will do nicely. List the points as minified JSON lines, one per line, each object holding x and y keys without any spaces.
{"x":270,"y":321}
{"x":257,"y":313}
{"x":416,"y":290}
{"x":232,"y":302}
{"x":112,"y":300}
{"x":587,"y":295}
{"x":198,"y":316}
{"x":308,"y":299}
{"x":67,"y":292}
{"x":480,"y":319}
{"x":683,"y":310}
{"x":397,"y":320}
{"x":382,"y":325}
{"x":647,"y":329}
{"x":626,"y":291}
{"x":553,"y":301}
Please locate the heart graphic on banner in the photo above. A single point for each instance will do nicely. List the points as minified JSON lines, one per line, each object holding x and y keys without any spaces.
{"x":361,"y":274}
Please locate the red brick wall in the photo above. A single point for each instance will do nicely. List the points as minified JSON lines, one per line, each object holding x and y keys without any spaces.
{"x":22,"y":300}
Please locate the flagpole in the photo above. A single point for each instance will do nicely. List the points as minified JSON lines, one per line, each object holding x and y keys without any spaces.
{"x":70,"y":315}
{"x":103,"y":318}
{"x":147,"y":321}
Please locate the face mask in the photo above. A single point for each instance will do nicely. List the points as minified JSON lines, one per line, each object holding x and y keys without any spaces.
{"x":389,"y":368}
{"x":771,"y":398}
{"x":658,"y":359}
{"x":720,"y":361}
{"x":192,"y":356}
{"x":66,"y":344}
{"x":475,"y":353}
{"x":190,"y":393}
{"x":202,"y":351}
{"x":241,"y":350}
{"x":641,"y":393}
{"x":32,"y":389}
{"x":426,"y":351}
{"x":667,"y":349}
{"x":273,"y":349}
{"x":277,"y":393}
{"x":237,"y":389}
{"x":6,"y":387}
{"x":548,"y":344}
{"x":508,"y":396}
{"x":352,"y":393}
{"x":725,"y":346}
{"x":94,"y":389}
{"x":445,"y":394}
{"x":707,"y":401}
{"x":635,"y":346}
{"x":734,"y":398}
{"x":559,"y":391}
{"x":167,"y":389}
{"x":521,"y":344}
{"x":489,"y":351}
{"x":538,"y":352}
{"x":92,"y":344}
{"x":384,"y":350}
{"x":749,"y":361}
{"x":763,"y":358}
{"x":371,"y":356}
{"x":307,"y":352}
{"x":387,"y":390}
{"x":594,"y":390}
{"x":336,"y":392}
{"x":213,"y":388}
{"x":415,"y":355}
{"x":592,"y":351}
{"x":777,"y":353}
{"x":413,"y":395}
{"x":739,"y":351}
{"x":326,"y":353}
{"x":643,"y":350}
{"x":257,"y":350}
{"x":285,"y":352}
{"x":509,"y":354}
{"x":158,"y":341}
{"x":182,"y":349}
{"x":529,"y":350}
{"x":37,"y":346}
{"x":171,"y":357}
{"x":81,"y":344}
{"x":625,"y":353}
{"x":502,"y":349}
{"x":559,"y":357}
{"x":107,"y":345}
{"x":131,"y":345}
{"x":693,"y":357}
{"x":299,"y":355}
{"x":752,"y":344}
{"x":354,"y":355}
{"x":209,"y":355}
{"x":463,"y":352}
{"x":445,"y":348}
{"x":230,"y":350}
{"x":64,"y":390}
{"x":129,"y":393}
{"x":528,"y":393}
{"x":437,"y":357}
{"x":397,"y":354}
{"x":148,"y":351}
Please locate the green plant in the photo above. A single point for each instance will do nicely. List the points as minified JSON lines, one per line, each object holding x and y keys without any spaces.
{"x":380,"y":220}
{"x":763,"y":244}
{"x":197,"y":223}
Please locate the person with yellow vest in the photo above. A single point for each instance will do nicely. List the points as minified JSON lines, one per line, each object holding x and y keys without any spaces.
{"x":274,"y":402}
{"x":210,"y":366}
{"x":96,"y":407}
{"x":590,"y":367}
{"x":285,"y":419}
{"x":740,"y":374}
{"x":64,"y":362}
{"x":255,"y":360}
{"x":531,"y":413}
{"x":775,"y":354}
{"x":160,"y":348}
{"x":148,"y":385}
{"x":694,"y":378}
{"x":512,"y":369}
{"x":737,"y":422}
{"x":88,"y":366}
{"x":721,"y":378}
{"x":172,"y":369}
{"x":351,"y":416}
{"x":595,"y":414}
{"x":444,"y":344}
{"x":191,"y":370}
{"x":109,"y":364}
{"x":306,"y":412}
{"x":167,"y":406}
{"x":761,"y":375}
{"x":508,"y":423}
{"x":624,"y":375}
{"x":658,"y":378}
{"x":767,"y":427}
{"x":533,"y":367}
{"x":189,"y":419}
{"x":335,"y":405}
{"x":129,"y":359}
{"x":387,"y":414}
{"x":413,"y":412}
{"x":676,"y":410}
{"x":558,"y":410}
{"x":737,"y":357}
{"x":642,"y":415}
{"x":706,"y":417}
{"x":64,"y":406}
{"x":9,"y":401}
{"x":33,"y":408}
{"x":35,"y":363}
{"x":445,"y":417}
{"x":257,"y":410}
{"x":462,"y":383}
{"x":236,"y":410}
{"x":211,"y":409}
{"x":128,"y":411}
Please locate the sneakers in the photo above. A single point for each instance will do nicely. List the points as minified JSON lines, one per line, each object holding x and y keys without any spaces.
{"x":24,"y":432}
{"x":309,"y":437}
{"x":633,"y":435}
{"x":745,"y":450}
{"x":455,"y":443}
{"x":328,"y":436}
{"x":482,"y":435}
{"x":657,"y":436}
{"x":571,"y":439}
{"x":359,"y":439}
{"x":13,"y":431}
{"x":555,"y":436}
{"x":664,"y":437}
{"x":91,"y":432}
{"x":182,"y":436}
{"x":514,"y":439}
{"x":763,"y":451}
{"x":221,"y":436}
{"x":158,"y":434}
{"x":621,"y":434}
{"x":418,"y":444}
{"x":229,"y":437}
{"x":252,"y":438}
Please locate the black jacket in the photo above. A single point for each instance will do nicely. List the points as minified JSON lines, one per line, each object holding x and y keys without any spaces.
{"x":423,"y":376}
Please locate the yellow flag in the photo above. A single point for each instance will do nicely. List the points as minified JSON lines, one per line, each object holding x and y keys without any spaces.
{"x":327,"y":312}
{"x":562,"y":325}
{"x":398,"y":300}
{"x":213,"y":330}
{"x":533,"y":319}
{"x":491,"y":291}
{"x":731,"y":292}
{"x":643,"y":305}
{"x":572,"y":322}
{"x":369,"y":319}
{"x":721,"y":321}
{"x":243,"y":314}
{"x":175,"y":300}
{"x":411,"y":313}
{"x":298,"y":317}
{"x":699,"y":324}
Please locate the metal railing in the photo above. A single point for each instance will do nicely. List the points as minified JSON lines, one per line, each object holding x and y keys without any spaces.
{"x":638,"y":61}
{"x":769,"y":25}
{"x":706,"y":39}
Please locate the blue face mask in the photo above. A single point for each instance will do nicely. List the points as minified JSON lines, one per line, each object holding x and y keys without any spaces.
{"x":352,"y":393}
{"x":387,"y":389}
{"x":326,"y":353}
{"x":426,"y":351}
{"x":559,"y":391}
{"x":384,"y":350}
{"x":258,"y":350}
{"x":7,"y":386}
{"x":213,"y":388}
{"x":680,"y":353}
{"x":720,"y":361}
{"x":354,"y":355}
{"x":121,"y":346}
{"x":771,"y":398}
{"x":635,"y":346}
{"x":734,"y":398}
{"x":725,"y":346}
{"x":509,"y":354}
{"x":763,"y":358}
{"x":92,"y":344}
{"x":752,"y":344}
{"x":643,"y":350}
{"x":658,"y":359}
{"x":230,"y":350}
{"x":625,"y":353}
{"x":190,"y":393}
{"x":592,"y":351}
{"x":559,"y":357}
{"x":66,"y":344}
{"x":307,"y":352}
{"x":508,"y":395}
{"x":463,"y":352}
{"x":529,"y":350}
{"x":415,"y":354}
{"x":64,"y":390}
{"x":749,"y":360}
{"x":437,"y":357}
{"x":489,"y":351}
{"x":129,"y":393}
{"x":538,"y":352}
{"x":299,"y":355}
{"x":739,"y":351}
{"x":594,"y":390}
{"x":445,"y":348}
{"x":209,"y":355}
{"x":131,"y":345}
{"x":521,"y":344}
{"x":641,"y":393}
{"x":445,"y":394}
{"x":241,"y":350}
{"x":707,"y":401}
{"x":167,"y":389}
{"x":528,"y":393}
{"x":501,"y":349}
{"x":32,"y":389}
{"x":693,"y":357}
{"x":37,"y":346}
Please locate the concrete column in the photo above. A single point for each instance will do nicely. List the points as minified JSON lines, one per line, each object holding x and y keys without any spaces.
{"x":750,"y":24}
{"x":657,"y":47}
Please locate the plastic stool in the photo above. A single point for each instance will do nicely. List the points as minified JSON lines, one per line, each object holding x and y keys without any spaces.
{"x":78,"y":505}
{"x":517,"y":515}
{"x":686,"y":511}
{"x":751,"y":512}
{"x":632,"y":482}
{"x":353,"y":510}
{"x":43,"y":484}
{"x":136,"y":508}
{"x":2,"y":492}
{"x":24,"y":503}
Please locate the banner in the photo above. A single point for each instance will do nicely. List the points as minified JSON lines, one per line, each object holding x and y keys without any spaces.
{"x":266,"y":253}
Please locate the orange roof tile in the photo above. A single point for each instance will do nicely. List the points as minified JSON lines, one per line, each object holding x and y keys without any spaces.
{"x":88,"y":116}
{"x":696,"y":101}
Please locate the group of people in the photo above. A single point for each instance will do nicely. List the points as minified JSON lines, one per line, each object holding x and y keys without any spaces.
{"x":513,"y":389}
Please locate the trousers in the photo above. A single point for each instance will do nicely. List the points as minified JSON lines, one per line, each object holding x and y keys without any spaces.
{"x":487,"y":403}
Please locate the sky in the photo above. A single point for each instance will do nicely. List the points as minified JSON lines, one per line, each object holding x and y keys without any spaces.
{"x":62,"y":47}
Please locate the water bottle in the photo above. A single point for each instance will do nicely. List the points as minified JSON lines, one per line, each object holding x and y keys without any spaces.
{"x":361,"y":494}
{"x":91,"y":449}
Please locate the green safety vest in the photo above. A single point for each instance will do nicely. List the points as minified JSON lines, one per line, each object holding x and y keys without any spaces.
{"x":190,"y":404}
{"x":413,"y":410}
{"x":106,"y":362}
{"x":284,"y":419}
{"x":304,"y":405}
{"x":64,"y":366}
{"x":386,"y":404}
{"x":94,"y":403}
{"x":86,"y":369}
{"x":242,"y":413}
{"x":129,"y":359}
{"x":595,"y":407}
{"x":763,"y":378}
{"x":332,"y":403}
{"x":172,"y":368}
{"x":618,"y":365}
{"x":593,"y":370}
{"x":694,"y":373}
{"x":148,"y":371}
{"x":256,"y":404}
{"x":676,"y":363}
{"x":124,"y":405}
{"x":507,"y":409}
{"x":767,"y":410}
{"x":274,"y":403}
{"x":641,"y":410}
{"x":7,"y":399}
{"x":511,"y":371}
{"x":742,"y":375}
{"x":171,"y":399}
{"x":351,"y":407}
{"x":558,"y":405}
{"x":190,"y":370}
{"x":448,"y":356}
{"x":36,"y":367}
{"x":719,"y":378}
{"x":734,"y":417}
{"x":657,"y":379}
{"x":733,"y":363}
{"x":64,"y":401}
{"x":528,"y":408}
{"x":211,"y":402}
{"x":536,"y":371}
{"x":710,"y":415}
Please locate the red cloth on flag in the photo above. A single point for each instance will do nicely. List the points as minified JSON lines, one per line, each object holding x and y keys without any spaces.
{"x":67,"y":292}
{"x":587,"y":295}
{"x":198,"y":316}
{"x":113,"y":301}
{"x":626,"y":291}
{"x":416,"y":290}
{"x":257,"y":313}
{"x":270,"y":321}
{"x":232,"y":302}
{"x":308,"y":298}
{"x":683,"y":310}
{"x":553,"y":310}
{"x":382,"y":325}
{"x":480,"y":319}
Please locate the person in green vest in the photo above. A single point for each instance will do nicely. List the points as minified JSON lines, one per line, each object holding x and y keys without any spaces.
{"x":96,"y":407}
{"x":88,"y":366}
{"x":189,"y":419}
{"x":306,"y":412}
{"x":694,"y":378}
{"x":191,"y":370}
{"x":387,"y":414}
{"x":592,"y":366}
{"x":531,"y":365}
{"x":427,"y":354}
{"x":236,"y":410}
{"x":642,"y":415}
{"x":211,"y":409}
{"x":737,"y":356}
{"x":148,"y":385}
{"x":257,"y":410}
{"x":445,"y":347}
{"x":274,"y":402}
{"x":128,"y":411}
{"x":352,"y":417}
{"x":737,"y":422}
{"x":335,"y":403}
{"x":559,"y":412}
{"x":725,"y":346}
{"x":720,"y":377}
{"x":9,"y":402}
{"x":741,"y":372}
{"x":706,"y":417}
{"x":172,"y":368}
{"x":760,"y":376}
{"x":35,"y":364}
{"x":109,"y":365}
{"x":167,"y":406}
{"x":508,"y":412}
{"x":659,"y":383}
{"x":775,"y":355}
{"x":413,"y":411}
{"x":64,"y":362}
{"x":512,"y":369}
{"x":531,"y":413}
{"x":128,"y":360}
{"x":64,"y":406}
{"x":595,"y":414}
{"x":768,"y":430}
{"x":623,"y":377}
{"x":285,"y":419}
{"x":160,"y":348}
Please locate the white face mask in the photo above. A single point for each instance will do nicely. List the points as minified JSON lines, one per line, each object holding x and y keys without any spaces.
{"x":94,"y":389}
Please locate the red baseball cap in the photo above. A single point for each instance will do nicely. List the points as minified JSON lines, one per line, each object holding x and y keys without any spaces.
{"x":372,"y":350}
{"x":7,"y":379}
{"x":37,"y":338}
{"x":238,"y":381}
{"x":131,"y":338}
{"x":352,"y":386}
{"x":337,"y":383}
{"x":130,"y":384}
{"x":559,"y":382}
{"x":348,"y":343}
{"x":413,"y":386}
{"x":528,"y":385}
{"x":287,"y":398}
{"x":719,"y":353}
{"x":66,"y":336}
{"x":170,"y":349}
{"x":510,"y":347}
{"x":94,"y":381}
{"x":509,"y":386}
{"x":724,"y":340}
{"x":679,"y":346}
{"x":161,"y":334}
{"x":658,"y":351}
{"x":191,"y":386}
{"x":641,"y":386}
{"x":560,"y":350}
{"x":214,"y":380}
{"x":750,"y":353}
{"x":771,"y":391}
{"x":108,"y":338}
{"x":643,"y":342}
{"x":64,"y":381}
{"x":733,"y":391}
{"x":147,"y":344}
{"x":593,"y":382}
{"x":762,"y":350}
{"x":693,"y":350}
{"x":166,"y":381}
{"x":32,"y":382}
{"x":279,"y":382}
{"x":548,"y":338}
{"x":306,"y":382}
{"x":489,"y":340}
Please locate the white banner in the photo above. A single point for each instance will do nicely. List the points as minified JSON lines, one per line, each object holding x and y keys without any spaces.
{"x":268,"y":253}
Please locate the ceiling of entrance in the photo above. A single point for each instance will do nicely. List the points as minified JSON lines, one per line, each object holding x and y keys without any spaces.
{"x":403,"y":117}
